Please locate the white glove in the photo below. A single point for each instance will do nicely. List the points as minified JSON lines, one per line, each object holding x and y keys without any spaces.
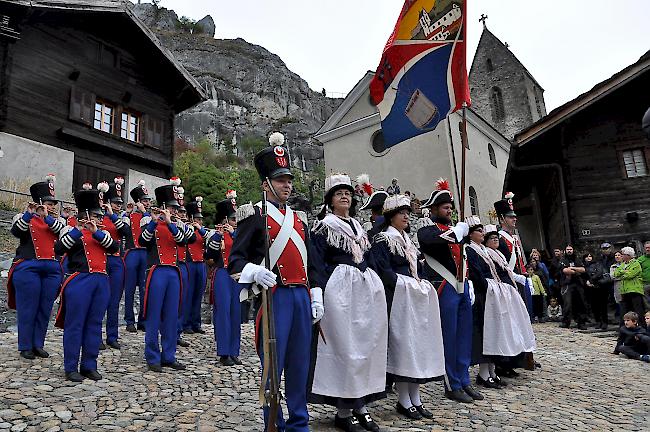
{"x":472,"y":294}
{"x":461,"y":230}
{"x":317,"y":308}
{"x":265,"y":278}
{"x":529,"y":282}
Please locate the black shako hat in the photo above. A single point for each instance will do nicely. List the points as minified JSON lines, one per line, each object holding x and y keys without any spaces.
{"x":273,"y":161}
{"x":194,"y":208}
{"x":504,"y":207}
{"x":140,"y":192}
{"x":87,"y":200}
{"x":165,"y":195}
{"x":225,"y":209}
{"x":115,"y":191}
{"x":43,"y":191}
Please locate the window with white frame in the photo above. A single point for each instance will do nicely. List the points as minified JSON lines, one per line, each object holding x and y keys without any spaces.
{"x":635,"y":163}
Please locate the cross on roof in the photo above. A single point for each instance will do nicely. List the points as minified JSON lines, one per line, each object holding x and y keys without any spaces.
{"x":483,"y":19}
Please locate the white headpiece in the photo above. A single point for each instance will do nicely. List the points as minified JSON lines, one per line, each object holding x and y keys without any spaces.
{"x":337,"y":180}
{"x":396,"y":202}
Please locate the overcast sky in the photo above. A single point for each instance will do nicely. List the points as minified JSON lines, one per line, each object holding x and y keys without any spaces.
{"x":567,"y":45}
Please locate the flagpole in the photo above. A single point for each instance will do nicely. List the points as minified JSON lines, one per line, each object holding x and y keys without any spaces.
{"x":463,"y":160}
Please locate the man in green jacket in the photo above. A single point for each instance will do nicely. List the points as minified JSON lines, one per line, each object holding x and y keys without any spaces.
{"x":644,"y":260}
{"x":631,"y":285}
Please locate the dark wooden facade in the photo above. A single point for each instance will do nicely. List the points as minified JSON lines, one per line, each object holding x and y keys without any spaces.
{"x":62,"y":60}
{"x":568,"y":172}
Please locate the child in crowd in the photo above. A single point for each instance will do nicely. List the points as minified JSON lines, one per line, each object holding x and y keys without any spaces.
{"x":554,"y":311}
{"x":538,"y":294}
{"x":633,"y":341}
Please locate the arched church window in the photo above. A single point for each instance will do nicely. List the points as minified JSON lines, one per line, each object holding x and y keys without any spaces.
{"x":490,"y":66}
{"x":493,"y":156}
{"x":473,"y":201}
{"x":496,"y":103}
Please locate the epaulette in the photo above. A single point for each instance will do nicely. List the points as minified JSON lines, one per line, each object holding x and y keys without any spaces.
{"x":145,"y":221}
{"x":303,"y":217}
{"x":244,"y":211}
{"x":66,"y":229}
{"x":15,"y":219}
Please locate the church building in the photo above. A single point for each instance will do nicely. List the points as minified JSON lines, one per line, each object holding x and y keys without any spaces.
{"x":353,"y":142}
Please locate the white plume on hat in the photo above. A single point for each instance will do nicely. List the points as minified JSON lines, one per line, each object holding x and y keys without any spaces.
{"x":276,"y":139}
{"x":87,"y":186}
{"x":175,"y":181}
{"x":231,"y":194}
{"x":102,"y":187}
{"x":141,"y":183}
{"x":50,"y":178}
{"x":396,"y":202}
{"x":336,"y":180}
{"x":119,"y":180}
{"x":198,"y":199}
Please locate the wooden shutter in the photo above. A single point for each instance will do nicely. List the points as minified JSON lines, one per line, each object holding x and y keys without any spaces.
{"x":153,"y":131}
{"x":82,"y":106}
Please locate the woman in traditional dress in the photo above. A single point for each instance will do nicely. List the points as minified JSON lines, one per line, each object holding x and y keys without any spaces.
{"x":415,"y":350}
{"x":501,"y":324}
{"x":350,"y":344}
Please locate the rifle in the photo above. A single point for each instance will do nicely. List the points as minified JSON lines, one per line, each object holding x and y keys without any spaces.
{"x":269,"y":397}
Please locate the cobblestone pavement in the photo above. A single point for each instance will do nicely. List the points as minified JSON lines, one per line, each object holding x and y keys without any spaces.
{"x":581,"y":387}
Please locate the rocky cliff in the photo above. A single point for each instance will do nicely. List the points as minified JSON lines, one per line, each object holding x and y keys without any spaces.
{"x":251,"y":90}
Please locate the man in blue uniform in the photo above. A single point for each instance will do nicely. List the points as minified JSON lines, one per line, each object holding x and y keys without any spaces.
{"x":162,"y":238}
{"x":293,"y":308}
{"x":446,"y":268}
{"x":35,"y":276}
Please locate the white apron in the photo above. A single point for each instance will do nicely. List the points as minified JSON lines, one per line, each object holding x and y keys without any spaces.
{"x":506,"y":329}
{"x":352,"y":364}
{"x":415,"y":347}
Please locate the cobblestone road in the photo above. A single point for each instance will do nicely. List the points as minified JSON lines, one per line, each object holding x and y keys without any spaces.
{"x":581,"y":387}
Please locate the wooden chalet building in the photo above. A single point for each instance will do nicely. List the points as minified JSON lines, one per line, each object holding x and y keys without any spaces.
{"x":88,"y":92}
{"x":581,"y":174}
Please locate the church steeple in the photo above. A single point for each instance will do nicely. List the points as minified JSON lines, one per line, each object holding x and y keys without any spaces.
{"x":503,"y":91}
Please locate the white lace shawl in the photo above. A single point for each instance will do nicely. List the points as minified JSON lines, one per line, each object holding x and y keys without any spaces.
{"x":340,"y":235}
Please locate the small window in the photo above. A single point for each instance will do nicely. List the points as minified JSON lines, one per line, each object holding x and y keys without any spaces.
{"x":103,"y":117}
{"x":378,"y":145}
{"x":493,"y":156}
{"x":473,"y":201}
{"x":130,"y":127}
{"x":635,"y":163}
{"x":490,"y":66}
{"x":496,"y":103}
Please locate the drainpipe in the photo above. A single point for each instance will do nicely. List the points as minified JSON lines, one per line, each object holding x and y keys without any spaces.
{"x":563,"y":200}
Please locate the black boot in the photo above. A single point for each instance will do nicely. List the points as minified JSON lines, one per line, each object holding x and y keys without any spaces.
{"x":92,"y":374}
{"x":473,"y":393}
{"x":226,"y":361}
{"x":74,"y":376}
{"x":40,"y":352}
{"x":27,"y":354}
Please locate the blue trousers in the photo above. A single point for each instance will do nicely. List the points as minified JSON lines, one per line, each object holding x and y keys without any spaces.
{"x":226,"y":314}
{"x":456,"y":320}
{"x":37,"y":284}
{"x":293,"y":326}
{"x":528,"y":300}
{"x":184,"y":310}
{"x":198,"y":275}
{"x":162,"y":315}
{"x":115,"y":266}
{"x":135,"y":262}
{"x":86,"y":298}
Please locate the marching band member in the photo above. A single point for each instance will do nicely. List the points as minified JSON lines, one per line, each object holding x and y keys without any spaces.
{"x":86,"y":292}
{"x":290,"y":261}
{"x":162,"y":238}
{"x":226,"y":309}
{"x":501,"y":324}
{"x":35,"y":275}
{"x":135,"y":258}
{"x":415,"y":350}
{"x":349,"y":360}
{"x":445,"y":268}
{"x":113,"y":223}
{"x":197,"y":270}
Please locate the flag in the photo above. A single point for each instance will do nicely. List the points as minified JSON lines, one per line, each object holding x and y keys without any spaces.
{"x":422,"y":76}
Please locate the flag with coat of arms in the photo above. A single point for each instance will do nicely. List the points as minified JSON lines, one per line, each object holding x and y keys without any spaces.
{"x":422,"y":75}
